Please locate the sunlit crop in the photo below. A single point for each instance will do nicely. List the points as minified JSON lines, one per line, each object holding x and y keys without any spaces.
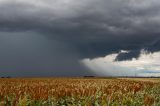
{"x":78,"y":92}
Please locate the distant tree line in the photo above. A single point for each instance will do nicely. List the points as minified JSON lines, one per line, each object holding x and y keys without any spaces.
{"x":6,"y":77}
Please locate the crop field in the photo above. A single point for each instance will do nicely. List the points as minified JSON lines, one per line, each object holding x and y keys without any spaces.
{"x":79,"y":92}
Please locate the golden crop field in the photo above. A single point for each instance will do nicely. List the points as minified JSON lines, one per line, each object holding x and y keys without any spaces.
{"x":79,"y":92}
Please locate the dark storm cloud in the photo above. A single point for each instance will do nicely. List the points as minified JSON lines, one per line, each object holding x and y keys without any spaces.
{"x":94,"y":27}
{"x":31,"y":54}
{"x":128,"y":55}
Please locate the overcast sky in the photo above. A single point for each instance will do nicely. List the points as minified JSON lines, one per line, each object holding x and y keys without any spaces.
{"x":79,"y":37}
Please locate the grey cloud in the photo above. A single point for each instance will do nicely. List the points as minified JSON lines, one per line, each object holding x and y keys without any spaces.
{"x":94,"y":27}
{"x":129,"y":55}
{"x":31,"y":54}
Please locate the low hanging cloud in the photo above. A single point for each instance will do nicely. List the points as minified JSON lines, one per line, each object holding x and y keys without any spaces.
{"x":96,"y":28}
{"x":90,"y":29}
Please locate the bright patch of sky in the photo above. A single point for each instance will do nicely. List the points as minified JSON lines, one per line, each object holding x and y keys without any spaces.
{"x":146,"y":65}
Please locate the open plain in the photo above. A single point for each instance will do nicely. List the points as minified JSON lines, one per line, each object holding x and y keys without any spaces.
{"x":79,"y":92}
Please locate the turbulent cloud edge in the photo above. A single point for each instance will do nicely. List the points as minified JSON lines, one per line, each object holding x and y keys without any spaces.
{"x":146,"y":65}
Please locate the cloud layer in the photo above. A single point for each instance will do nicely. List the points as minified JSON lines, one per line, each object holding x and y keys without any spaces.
{"x":90,"y":29}
{"x":146,"y":65}
{"x":94,"y":27}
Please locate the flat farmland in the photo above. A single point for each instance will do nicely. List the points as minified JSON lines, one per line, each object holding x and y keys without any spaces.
{"x":79,"y":92}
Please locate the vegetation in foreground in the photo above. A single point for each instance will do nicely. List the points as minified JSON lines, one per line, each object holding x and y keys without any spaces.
{"x":78,"y":92}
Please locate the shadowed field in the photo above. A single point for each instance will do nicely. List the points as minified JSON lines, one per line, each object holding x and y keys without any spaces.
{"x":79,"y":92}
